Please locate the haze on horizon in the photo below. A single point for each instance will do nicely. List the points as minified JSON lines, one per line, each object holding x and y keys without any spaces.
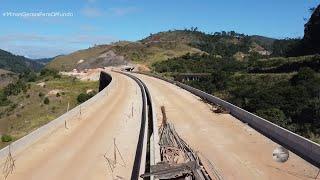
{"x":101,"y":22}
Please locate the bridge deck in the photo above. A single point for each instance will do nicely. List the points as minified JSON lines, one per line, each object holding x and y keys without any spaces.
{"x":78,"y":152}
{"x":237,"y":151}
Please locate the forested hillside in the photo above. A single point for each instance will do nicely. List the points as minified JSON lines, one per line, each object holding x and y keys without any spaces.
{"x":17,"y":64}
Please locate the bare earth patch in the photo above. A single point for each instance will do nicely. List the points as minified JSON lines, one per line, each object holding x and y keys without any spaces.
{"x":54,"y":92}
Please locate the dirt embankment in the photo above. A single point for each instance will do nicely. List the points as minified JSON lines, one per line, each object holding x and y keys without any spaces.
{"x":106,"y":59}
{"x":85,"y":75}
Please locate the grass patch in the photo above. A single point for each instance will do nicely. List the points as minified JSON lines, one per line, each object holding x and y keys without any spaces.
{"x":24,"y":114}
{"x":6,"y":138}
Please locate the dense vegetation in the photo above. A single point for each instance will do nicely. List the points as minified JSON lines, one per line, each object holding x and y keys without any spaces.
{"x":281,"y":64}
{"x":44,"y":61}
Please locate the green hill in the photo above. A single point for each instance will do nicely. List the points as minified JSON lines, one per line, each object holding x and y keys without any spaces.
{"x":44,"y":61}
{"x":69,"y":62}
{"x":17,"y":64}
{"x":167,"y":45}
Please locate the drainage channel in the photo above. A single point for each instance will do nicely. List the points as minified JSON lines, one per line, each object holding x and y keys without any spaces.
{"x":143,"y":158}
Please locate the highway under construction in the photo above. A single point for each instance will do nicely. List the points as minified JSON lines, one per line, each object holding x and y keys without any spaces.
{"x":142,"y":127}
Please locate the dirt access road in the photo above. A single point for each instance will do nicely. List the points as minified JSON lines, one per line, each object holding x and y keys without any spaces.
{"x":78,"y":152}
{"x":236,"y":150}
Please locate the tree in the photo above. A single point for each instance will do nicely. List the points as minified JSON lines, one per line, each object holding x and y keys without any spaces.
{"x":83,"y":97}
{"x":304,"y":76}
{"x":46,"y":100}
{"x":41,"y":94}
{"x":307,"y":78}
{"x":233,"y":33}
{"x":284,"y":47}
{"x":219,"y":79}
{"x":274,"y":115}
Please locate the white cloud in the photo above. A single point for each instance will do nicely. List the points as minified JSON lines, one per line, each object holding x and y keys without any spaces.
{"x":118,"y":11}
{"x":89,"y":28}
{"x":121,"y":11}
{"x":92,"y":12}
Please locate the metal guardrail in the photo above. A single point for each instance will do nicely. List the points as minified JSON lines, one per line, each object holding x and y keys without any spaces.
{"x":301,"y":146}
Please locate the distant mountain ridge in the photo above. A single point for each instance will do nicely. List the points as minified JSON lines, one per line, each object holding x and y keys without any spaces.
{"x":44,"y":61}
{"x":17,"y":64}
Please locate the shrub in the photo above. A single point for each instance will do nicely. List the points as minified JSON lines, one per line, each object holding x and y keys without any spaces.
{"x":58,"y":95}
{"x":53,"y":109}
{"x":6,"y":138}
{"x":3,"y":99}
{"x":41,"y":94}
{"x":274,"y":115}
{"x":15,"y":88}
{"x":30,"y":76}
{"x":46,"y":100}
{"x":49,"y":72}
{"x":84,"y":96}
{"x":12,"y":107}
{"x":57,"y":76}
{"x":304,"y":76}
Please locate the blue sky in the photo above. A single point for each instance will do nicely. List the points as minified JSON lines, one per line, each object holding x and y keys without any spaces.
{"x":105,"y":21}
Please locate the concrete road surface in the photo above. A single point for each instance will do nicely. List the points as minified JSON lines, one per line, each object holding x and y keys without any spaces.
{"x":236,"y":150}
{"x":80,"y":152}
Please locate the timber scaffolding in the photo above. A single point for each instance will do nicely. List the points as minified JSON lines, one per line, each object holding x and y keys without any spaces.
{"x":178,"y":160}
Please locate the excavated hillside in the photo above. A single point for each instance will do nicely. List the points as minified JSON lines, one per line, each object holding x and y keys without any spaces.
{"x":162,"y":46}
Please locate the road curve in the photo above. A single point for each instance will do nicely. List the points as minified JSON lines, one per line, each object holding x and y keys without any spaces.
{"x":78,"y":152}
{"x":236,"y":150}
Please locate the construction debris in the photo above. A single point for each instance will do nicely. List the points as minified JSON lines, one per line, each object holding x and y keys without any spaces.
{"x":219,"y":109}
{"x":216,"y":108}
{"x":179,"y":161}
{"x":9,"y":164}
